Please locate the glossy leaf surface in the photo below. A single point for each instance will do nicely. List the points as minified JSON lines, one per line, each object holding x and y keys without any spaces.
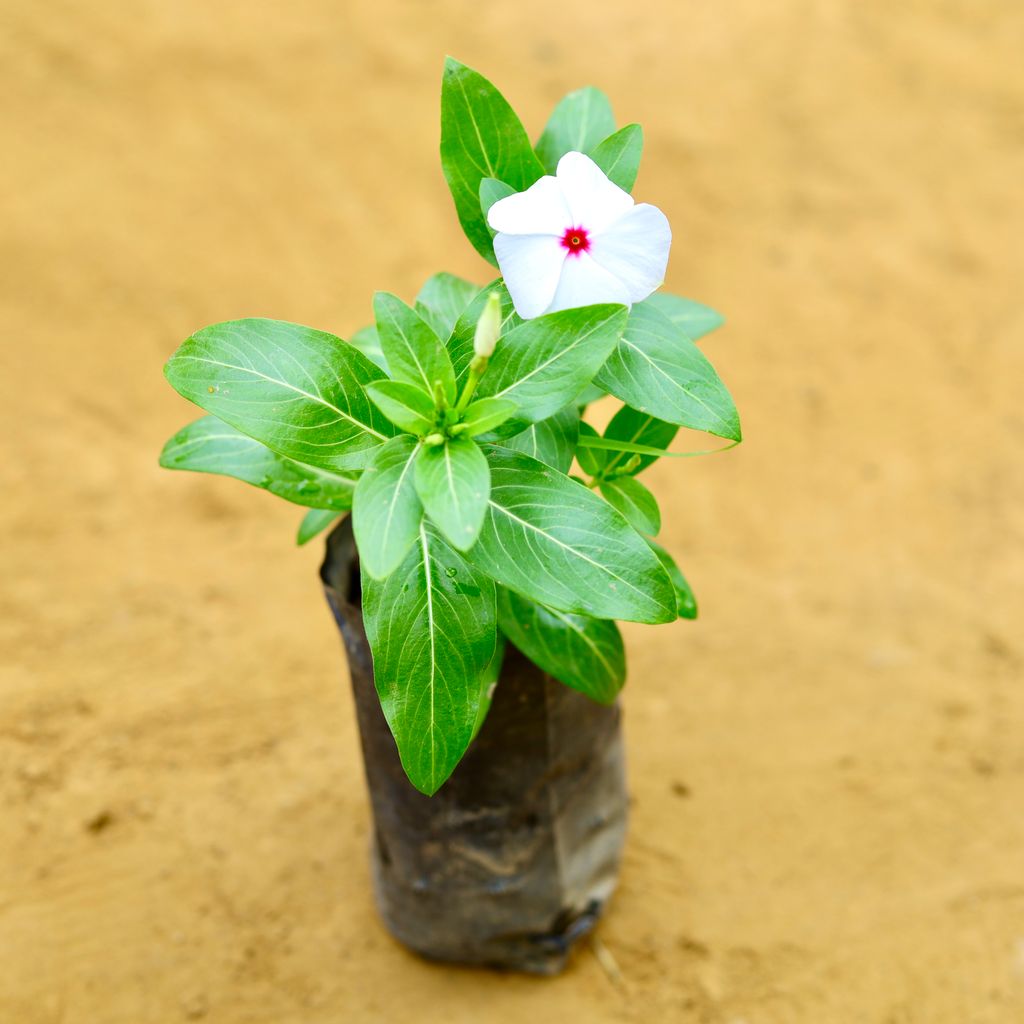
{"x":544,"y":363}
{"x":432,"y":628}
{"x":211,"y":446}
{"x":453,"y":481}
{"x":298,"y":390}
{"x":692,"y":318}
{"x":639,"y":428}
{"x":405,"y":405}
{"x":635,"y":502}
{"x":686,"y":602}
{"x":552,"y":540}
{"x":619,"y":155}
{"x":413,"y":351}
{"x":657,"y":369}
{"x":579,"y":122}
{"x":487,"y":413}
{"x":387,"y":512}
{"x":481,"y":137}
{"x":551,"y":441}
{"x":314,"y":522}
{"x":441,"y":299}
{"x":586,"y":654}
{"x":366,"y":340}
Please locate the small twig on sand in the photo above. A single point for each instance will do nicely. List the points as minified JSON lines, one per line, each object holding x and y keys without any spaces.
{"x":604,"y":957}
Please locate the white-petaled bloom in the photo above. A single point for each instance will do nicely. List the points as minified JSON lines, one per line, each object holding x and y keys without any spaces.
{"x":488,"y":327}
{"x":575,"y":238}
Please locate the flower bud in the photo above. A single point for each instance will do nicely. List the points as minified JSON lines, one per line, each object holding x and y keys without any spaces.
{"x":488,"y":327}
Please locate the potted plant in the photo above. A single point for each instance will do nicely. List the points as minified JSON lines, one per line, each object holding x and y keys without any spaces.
{"x":477,"y":579}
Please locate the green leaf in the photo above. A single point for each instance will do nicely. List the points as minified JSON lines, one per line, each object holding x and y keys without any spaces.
{"x":606,"y":444}
{"x":657,"y":369}
{"x":404,"y":404}
{"x":441,"y":299}
{"x":433,"y":632}
{"x":491,"y":190}
{"x":315,"y":521}
{"x":693,"y":319}
{"x":414,"y":353}
{"x":637,"y":428}
{"x":686,"y":603}
{"x":481,"y":137}
{"x":386,"y":512}
{"x":586,"y":654}
{"x":635,"y":502}
{"x":550,"y":539}
{"x":299,"y":391}
{"x":591,"y":460}
{"x":619,"y":155}
{"x":211,"y":446}
{"x":453,"y":481}
{"x":490,"y":683}
{"x":366,"y":340}
{"x":551,"y":441}
{"x":460,"y":344}
{"x":546,"y":362}
{"x":579,"y":122}
{"x":591,"y":393}
{"x":487,"y":413}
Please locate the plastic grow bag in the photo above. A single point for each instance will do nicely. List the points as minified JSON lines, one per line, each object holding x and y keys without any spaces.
{"x":513,"y":859}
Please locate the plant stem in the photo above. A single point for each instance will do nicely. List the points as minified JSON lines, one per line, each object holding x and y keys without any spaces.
{"x":476,"y":371}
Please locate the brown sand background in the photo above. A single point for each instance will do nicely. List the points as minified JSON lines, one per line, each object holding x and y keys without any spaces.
{"x":828,"y":768}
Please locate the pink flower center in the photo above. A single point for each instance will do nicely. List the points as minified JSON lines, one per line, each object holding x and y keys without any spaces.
{"x":576,"y":241}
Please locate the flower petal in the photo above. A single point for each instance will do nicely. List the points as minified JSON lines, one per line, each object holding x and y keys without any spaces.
{"x":540,"y":210}
{"x":594,"y":201}
{"x":584,"y":282}
{"x":531,"y":266}
{"x":635,"y":250}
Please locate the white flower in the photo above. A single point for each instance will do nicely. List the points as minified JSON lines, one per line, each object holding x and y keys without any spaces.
{"x":574,"y":238}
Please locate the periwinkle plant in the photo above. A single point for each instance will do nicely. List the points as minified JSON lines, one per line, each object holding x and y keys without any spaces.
{"x":449,"y":427}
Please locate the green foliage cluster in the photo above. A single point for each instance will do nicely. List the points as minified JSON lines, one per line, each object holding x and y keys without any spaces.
{"x":456,"y":468}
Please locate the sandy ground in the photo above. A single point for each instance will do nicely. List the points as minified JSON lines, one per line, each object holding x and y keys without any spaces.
{"x":828,"y":768}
